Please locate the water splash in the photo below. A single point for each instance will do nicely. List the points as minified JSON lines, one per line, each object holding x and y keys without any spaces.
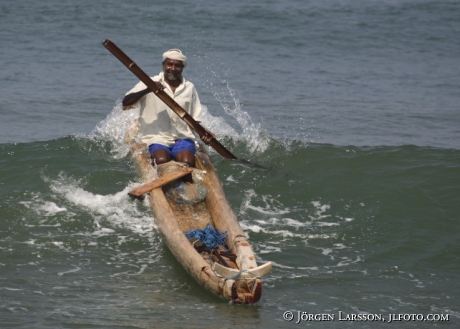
{"x":113,"y":129}
{"x":253,"y":135}
{"x":109,"y":212}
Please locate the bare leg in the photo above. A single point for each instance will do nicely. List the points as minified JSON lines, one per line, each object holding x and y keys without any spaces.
{"x":187,"y":157}
{"x":159,"y":157}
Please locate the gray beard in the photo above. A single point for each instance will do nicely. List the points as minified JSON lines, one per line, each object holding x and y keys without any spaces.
{"x":172,"y":76}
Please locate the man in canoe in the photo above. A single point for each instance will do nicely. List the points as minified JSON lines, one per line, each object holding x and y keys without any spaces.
{"x":166,"y":134}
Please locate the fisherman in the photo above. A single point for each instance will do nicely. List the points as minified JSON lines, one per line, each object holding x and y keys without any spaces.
{"x":168,"y":137}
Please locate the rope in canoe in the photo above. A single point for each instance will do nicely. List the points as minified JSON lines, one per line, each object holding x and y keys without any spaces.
{"x":210,"y":236}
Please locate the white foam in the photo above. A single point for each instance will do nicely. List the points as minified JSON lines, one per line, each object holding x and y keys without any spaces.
{"x":114,"y":127}
{"x":76,"y":269}
{"x":327,"y":224}
{"x":129,"y":273}
{"x":270,"y":204}
{"x":103,"y":232}
{"x":347,"y":261}
{"x":116,"y":209}
{"x":265,"y":214}
{"x":11,"y":289}
{"x":51,"y":208}
{"x":264,"y":249}
{"x":286,"y":233}
{"x":321,"y":209}
{"x":230,"y":179}
{"x":327,"y":251}
{"x":295,"y":223}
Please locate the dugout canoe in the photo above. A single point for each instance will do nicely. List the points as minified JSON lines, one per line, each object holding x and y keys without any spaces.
{"x":229,"y":271}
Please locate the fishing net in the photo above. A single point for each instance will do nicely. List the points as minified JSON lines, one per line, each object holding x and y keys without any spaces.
{"x":183,"y":192}
{"x":210,"y":236}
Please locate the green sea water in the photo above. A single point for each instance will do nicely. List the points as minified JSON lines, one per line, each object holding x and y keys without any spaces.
{"x":349,"y":229}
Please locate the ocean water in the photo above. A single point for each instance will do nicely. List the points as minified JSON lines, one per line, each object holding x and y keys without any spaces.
{"x":353,"y":107}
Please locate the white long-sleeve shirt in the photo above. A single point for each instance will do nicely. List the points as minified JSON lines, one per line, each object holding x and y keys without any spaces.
{"x":160,"y":124}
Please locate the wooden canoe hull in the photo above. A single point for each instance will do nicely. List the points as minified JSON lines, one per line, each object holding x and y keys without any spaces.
{"x":238,"y":283}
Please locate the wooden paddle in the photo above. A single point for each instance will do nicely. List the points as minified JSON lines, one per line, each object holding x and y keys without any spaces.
{"x":118,"y":53}
{"x":163,"y":180}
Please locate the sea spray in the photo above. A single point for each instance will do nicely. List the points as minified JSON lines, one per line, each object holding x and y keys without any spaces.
{"x":114,"y":129}
{"x":109,"y":212}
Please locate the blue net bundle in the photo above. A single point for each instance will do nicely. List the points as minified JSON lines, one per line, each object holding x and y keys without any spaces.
{"x":210,"y":236}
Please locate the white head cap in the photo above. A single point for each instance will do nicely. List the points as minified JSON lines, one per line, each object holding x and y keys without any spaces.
{"x":175,"y":54}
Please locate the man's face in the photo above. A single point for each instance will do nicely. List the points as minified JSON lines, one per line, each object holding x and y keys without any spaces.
{"x":172,"y":69}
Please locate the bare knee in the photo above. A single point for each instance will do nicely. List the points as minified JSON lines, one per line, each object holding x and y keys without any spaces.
{"x":159,"y":157}
{"x":187,"y":157}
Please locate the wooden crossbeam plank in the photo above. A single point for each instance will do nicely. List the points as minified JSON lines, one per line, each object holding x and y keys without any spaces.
{"x":163,"y":180}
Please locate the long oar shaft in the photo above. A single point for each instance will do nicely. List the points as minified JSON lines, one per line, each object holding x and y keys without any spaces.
{"x":193,"y":124}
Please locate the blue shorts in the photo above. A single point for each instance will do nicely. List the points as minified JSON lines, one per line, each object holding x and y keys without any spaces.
{"x":179,"y":146}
